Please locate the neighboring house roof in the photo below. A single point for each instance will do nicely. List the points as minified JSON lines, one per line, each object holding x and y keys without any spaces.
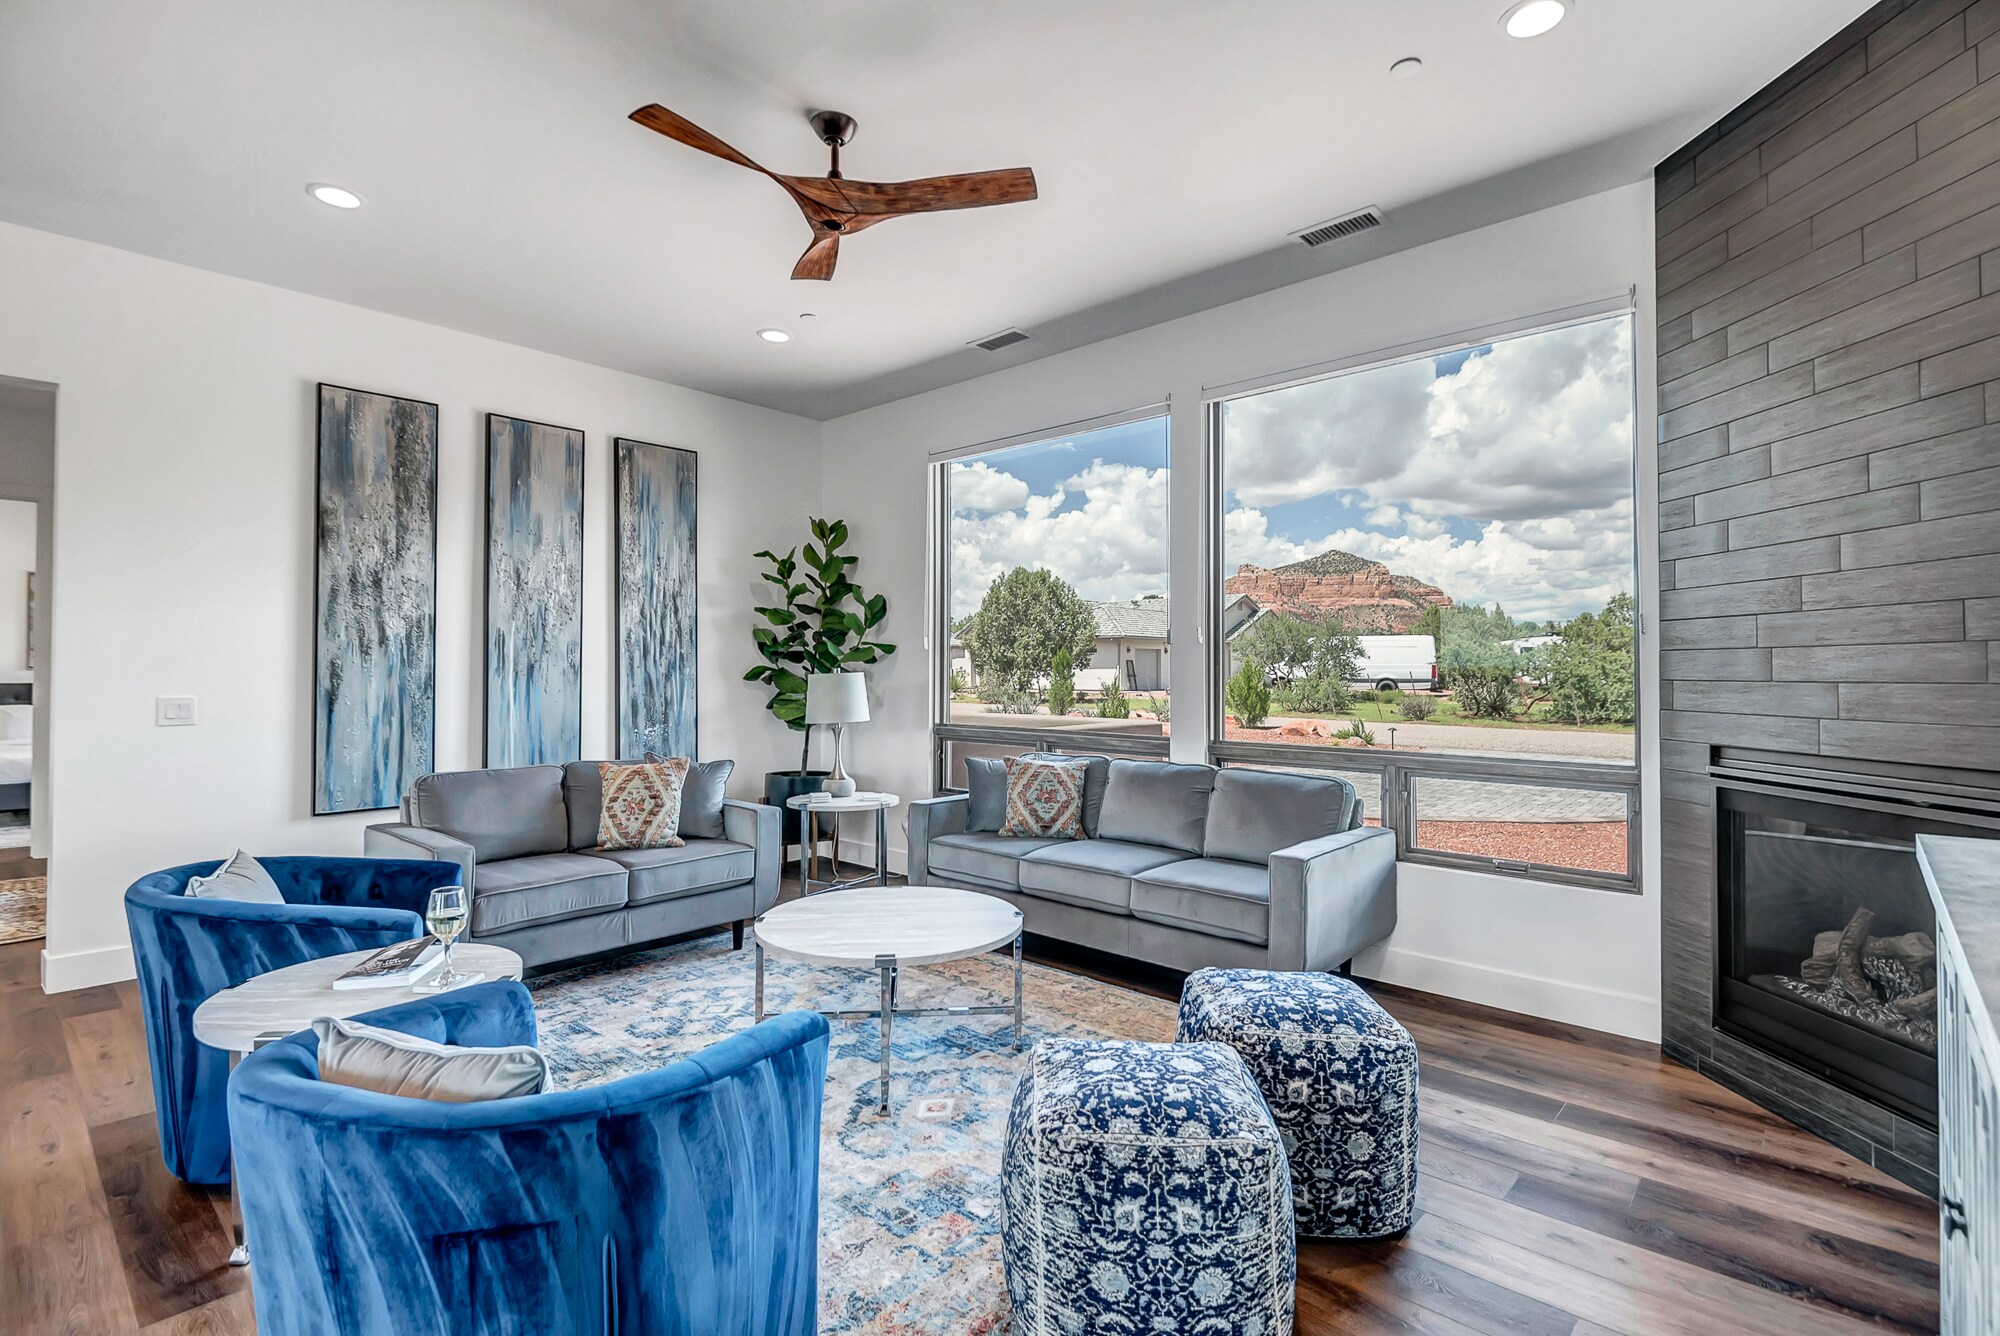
{"x":1138,"y":619}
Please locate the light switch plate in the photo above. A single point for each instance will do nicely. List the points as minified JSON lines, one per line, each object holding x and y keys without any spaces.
{"x":173,"y":711}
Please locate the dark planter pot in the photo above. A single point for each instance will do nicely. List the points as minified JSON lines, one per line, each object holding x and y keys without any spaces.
{"x":782,"y":784}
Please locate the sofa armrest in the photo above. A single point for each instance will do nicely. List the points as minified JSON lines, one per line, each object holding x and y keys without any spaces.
{"x":758,"y":826}
{"x":1331,"y":897}
{"x":930,"y":818}
{"x":394,"y":839}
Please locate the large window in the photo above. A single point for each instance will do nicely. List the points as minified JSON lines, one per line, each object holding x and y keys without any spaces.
{"x":1433,"y":558}
{"x":1055,"y":592}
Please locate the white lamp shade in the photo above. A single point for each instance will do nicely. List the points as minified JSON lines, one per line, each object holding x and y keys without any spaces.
{"x":836,"y":698}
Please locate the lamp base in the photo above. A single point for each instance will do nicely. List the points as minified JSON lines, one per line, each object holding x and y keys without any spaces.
{"x":843,"y":787}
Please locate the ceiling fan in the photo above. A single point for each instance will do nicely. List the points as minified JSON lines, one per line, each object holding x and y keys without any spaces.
{"x":837,"y":207}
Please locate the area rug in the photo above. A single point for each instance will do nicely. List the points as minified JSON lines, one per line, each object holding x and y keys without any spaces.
{"x":22,"y":904}
{"x":910,"y":1203}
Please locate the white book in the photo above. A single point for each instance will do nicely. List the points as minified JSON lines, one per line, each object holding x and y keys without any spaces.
{"x":396,"y":966}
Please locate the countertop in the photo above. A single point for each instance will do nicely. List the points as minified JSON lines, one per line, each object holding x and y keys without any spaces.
{"x":1964,"y":879}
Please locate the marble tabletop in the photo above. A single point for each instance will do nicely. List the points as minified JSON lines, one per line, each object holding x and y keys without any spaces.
{"x":861,"y":801}
{"x":292,"y":998}
{"x":918,"y":925}
{"x":1964,"y":877}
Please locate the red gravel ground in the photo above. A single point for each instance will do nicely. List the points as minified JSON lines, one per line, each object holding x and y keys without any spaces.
{"x":1594,"y":846}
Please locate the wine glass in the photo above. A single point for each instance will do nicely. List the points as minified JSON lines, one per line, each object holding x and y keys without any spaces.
{"x":446,"y":917}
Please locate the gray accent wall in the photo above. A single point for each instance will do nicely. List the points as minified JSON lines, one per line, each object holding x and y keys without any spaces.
{"x":1829,"y":391}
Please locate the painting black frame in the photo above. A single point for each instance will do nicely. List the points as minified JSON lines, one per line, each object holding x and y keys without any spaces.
{"x":319,"y":552}
{"x":618,"y":519}
{"x":486,"y":581}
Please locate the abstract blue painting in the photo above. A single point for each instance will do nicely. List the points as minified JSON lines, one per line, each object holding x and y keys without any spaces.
{"x":375,"y":609}
{"x":534,"y":593}
{"x":656,"y":599}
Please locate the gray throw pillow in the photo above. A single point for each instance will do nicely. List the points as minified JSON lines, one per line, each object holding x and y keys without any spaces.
{"x":240,"y":878}
{"x":702,"y":793}
{"x":1157,"y":803}
{"x":390,"y":1062}
{"x":986,"y":793}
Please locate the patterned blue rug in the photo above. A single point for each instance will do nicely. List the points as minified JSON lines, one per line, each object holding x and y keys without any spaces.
{"x":910,"y":1203}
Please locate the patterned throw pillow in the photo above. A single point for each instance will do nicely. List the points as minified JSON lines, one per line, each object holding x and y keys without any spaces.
{"x":1045,"y":797}
{"x":642,"y":804}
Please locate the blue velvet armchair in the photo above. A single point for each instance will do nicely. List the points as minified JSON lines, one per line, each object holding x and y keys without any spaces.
{"x":187,"y":949}
{"x":680,"y":1202}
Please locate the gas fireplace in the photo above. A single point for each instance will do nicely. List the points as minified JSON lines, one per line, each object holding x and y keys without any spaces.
{"x":1826,"y":954}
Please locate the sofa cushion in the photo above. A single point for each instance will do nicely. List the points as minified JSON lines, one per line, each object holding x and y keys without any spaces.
{"x":1211,"y":895}
{"x":698,"y":865}
{"x":702,"y":795}
{"x":985,"y":856}
{"x":544,"y":888}
{"x":1155,"y":802}
{"x":1255,"y":813}
{"x":642,"y":804}
{"x":1098,"y":770}
{"x":241,"y":878}
{"x":1096,"y":874}
{"x":501,"y":813}
{"x":389,"y":1062}
{"x":985,"y":793}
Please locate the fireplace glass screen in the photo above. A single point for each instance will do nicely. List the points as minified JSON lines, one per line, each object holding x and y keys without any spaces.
{"x":1829,"y":957}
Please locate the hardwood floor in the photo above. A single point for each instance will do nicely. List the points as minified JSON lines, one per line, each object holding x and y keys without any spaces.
{"x":1572,"y":1184}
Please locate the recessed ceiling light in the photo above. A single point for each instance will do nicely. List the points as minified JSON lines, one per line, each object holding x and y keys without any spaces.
{"x":1532,"y":18}
{"x":338,"y":196}
{"x":1409,"y":67}
{"x":774,"y":336}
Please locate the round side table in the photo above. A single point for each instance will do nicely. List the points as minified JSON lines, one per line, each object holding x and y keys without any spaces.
{"x":810,"y":806}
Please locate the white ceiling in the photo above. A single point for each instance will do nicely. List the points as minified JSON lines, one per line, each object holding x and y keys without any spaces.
{"x":1176,"y":142}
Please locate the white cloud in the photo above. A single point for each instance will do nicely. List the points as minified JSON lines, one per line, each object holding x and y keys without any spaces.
{"x":1112,"y":546}
{"x":978,"y":487}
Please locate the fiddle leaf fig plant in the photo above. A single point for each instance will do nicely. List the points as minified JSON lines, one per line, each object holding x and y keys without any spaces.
{"x":819,"y":624}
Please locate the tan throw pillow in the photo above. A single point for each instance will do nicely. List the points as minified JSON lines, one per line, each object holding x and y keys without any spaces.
{"x":642,"y":804}
{"x":390,"y":1062}
{"x":1044,"y":798}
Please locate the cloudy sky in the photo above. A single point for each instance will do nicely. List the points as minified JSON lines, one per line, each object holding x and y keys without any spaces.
{"x":1503,"y":473}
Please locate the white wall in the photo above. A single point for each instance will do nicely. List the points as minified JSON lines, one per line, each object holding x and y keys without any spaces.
{"x":1589,"y":957}
{"x":183,"y":541}
{"x":17,"y":559}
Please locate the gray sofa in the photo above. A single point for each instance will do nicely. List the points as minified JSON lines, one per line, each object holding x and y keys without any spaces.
{"x":1184,"y":866}
{"x":526,"y":840}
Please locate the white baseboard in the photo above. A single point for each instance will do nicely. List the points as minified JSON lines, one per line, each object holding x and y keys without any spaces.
{"x":86,"y":969}
{"x":1625,"y":1014}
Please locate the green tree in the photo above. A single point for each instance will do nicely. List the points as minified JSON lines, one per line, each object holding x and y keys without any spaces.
{"x":1475,"y":637}
{"x":1291,"y":647}
{"x":1591,"y":667}
{"x":1430,"y":624}
{"x":1249,"y":698}
{"x":1026,"y":617}
{"x":1062,"y":683}
{"x":1112,"y":704}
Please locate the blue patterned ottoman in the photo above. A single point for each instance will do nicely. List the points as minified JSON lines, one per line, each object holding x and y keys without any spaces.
{"x":1143,"y":1189}
{"x":1340,"y":1076}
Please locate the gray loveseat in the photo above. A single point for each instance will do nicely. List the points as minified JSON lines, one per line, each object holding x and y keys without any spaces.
{"x":526,"y":840}
{"x":1184,"y":866}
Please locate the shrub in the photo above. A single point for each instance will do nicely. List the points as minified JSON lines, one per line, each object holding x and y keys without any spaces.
{"x":1113,"y":704}
{"x":1484,"y":693}
{"x":959,"y":686}
{"x":1062,"y":682}
{"x":1386,"y":701}
{"x":1248,"y":698}
{"x":1590,"y":668}
{"x":1008,"y":699}
{"x":1357,"y":730}
{"x":1369,"y":696}
{"x":1419,"y":706}
{"x":1161,"y":707}
{"x":1315,"y":693}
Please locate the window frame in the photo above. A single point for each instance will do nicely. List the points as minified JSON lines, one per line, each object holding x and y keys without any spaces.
{"x":938,"y":598}
{"x":1401,"y":769}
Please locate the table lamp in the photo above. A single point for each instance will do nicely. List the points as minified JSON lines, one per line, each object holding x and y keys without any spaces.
{"x":838,"y":699}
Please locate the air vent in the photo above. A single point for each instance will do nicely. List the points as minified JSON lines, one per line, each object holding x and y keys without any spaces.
{"x":1361,"y":220}
{"x":1006,"y":338}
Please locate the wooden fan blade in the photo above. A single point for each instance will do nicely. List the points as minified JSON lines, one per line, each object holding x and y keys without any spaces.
{"x":819,"y":258}
{"x":679,"y":128}
{"x":971,"y":190}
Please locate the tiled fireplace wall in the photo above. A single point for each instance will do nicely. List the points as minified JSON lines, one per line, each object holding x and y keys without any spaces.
{"x":1829,"y":304}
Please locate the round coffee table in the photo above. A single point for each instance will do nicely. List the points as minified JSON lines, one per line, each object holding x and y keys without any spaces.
{"x":265,"y":1009}
{"x":884,"y":928}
